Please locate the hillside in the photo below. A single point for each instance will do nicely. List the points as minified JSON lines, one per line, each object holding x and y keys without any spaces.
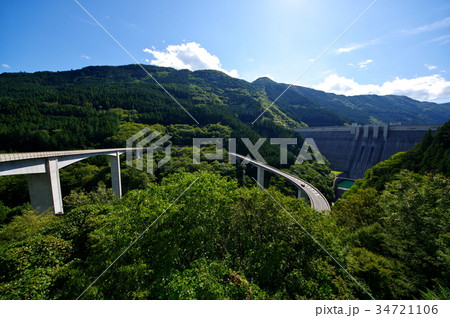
{"x":85,"y":108}
{"x":81,"y":108}
{"x":299,"y":106}
{"x":317,"y":108}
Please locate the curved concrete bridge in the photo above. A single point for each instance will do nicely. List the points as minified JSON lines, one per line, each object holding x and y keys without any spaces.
{"x":42,"y":170}
{"x":317,"y":199}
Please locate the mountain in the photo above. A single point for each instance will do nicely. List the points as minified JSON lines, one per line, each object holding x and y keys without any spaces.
{"x":298,"y":106}
{"x":83,"y":108}
{"x":317,"y":108}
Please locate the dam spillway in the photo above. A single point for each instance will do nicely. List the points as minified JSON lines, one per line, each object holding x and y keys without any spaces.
{"x":354,"y":149}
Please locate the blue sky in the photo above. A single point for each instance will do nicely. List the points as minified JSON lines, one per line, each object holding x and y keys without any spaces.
{"x":397,"y":47}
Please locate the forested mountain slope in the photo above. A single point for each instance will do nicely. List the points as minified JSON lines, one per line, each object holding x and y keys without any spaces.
{"x":81,"y":108}
{"x":318,"y":108}
{"x":85,"y":108}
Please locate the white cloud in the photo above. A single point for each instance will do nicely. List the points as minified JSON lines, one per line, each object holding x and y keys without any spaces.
{"x":426,"y":88}
{"x":84,"y":56}
{"x":6,"y":65}
{"x":444,"y":39}
{"x":189,"y":56}
{"x":363,"y":64}
{"x":430,"y":27}
{"x":349,"y":48}
{"x":357,"y":46}
{"x":430,"y":67}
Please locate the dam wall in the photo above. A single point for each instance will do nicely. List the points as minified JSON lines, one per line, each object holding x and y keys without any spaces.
{"x":354,"y":149}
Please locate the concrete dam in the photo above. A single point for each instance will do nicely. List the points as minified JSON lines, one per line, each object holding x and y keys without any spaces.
{"x":354,"y":149}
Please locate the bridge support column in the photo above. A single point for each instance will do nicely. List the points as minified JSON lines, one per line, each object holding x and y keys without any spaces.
{"x":299,"y":193}
{"x":260,"y":177}
{"x":45,"y":188}
{"x":115,"y":174}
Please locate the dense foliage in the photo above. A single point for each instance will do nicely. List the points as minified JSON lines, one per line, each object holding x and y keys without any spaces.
{"x":216,"y":241}
{"x":222,"y":241}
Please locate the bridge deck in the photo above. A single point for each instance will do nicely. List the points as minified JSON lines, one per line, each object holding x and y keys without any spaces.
{"x":38,"y":163}
{"x":51,"y":154}
{"x":317,"y":199}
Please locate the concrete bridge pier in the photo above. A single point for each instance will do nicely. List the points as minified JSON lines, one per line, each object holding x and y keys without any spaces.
{"x":45,"y":188}
{"x":260,"y":177}
{"x":299,"y":193}
{"x":116,"y":181}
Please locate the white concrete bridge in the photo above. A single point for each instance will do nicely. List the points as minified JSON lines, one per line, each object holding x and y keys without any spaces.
{"x":42,"y":170}
{"x":317,"y":199}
